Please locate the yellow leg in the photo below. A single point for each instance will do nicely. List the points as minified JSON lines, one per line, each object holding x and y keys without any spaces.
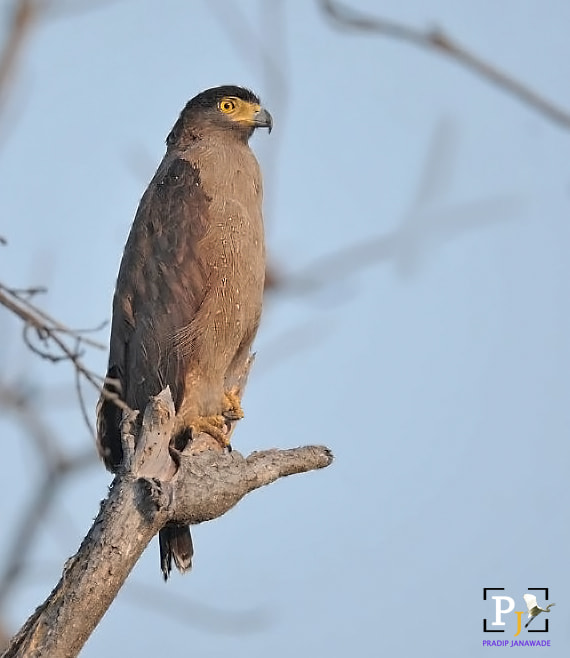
{"x":232,"y":406}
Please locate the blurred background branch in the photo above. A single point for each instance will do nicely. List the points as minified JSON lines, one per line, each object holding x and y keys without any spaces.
{"x":21,"y":17}
{"x":344,"y":17}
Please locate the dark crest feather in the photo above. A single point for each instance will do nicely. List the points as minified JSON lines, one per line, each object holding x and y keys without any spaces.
{"x":211,"y":97}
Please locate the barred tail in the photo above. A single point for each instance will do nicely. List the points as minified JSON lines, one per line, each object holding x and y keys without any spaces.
{"x":175,"y":542}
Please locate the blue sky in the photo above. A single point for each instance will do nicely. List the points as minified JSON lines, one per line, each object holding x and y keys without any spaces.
{"x":437,"y":369}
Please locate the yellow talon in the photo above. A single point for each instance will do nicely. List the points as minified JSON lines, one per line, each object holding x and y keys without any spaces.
{"x":215,"y":426}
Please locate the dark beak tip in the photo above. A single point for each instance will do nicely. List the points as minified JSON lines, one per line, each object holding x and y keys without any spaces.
{"x":264,"y":120}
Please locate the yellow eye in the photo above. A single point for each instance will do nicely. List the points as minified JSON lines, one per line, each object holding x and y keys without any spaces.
{"x":227,"y":105}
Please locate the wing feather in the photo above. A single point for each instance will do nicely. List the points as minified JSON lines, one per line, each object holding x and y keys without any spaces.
{"x":161,"y":284}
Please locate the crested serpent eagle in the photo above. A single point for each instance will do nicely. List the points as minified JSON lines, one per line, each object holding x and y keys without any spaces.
{"x":189,"y":291}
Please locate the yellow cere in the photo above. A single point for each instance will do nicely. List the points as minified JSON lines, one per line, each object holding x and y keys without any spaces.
{"x":237,"y":109}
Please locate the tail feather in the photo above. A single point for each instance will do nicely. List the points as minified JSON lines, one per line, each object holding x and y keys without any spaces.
{"x":175,"y":543}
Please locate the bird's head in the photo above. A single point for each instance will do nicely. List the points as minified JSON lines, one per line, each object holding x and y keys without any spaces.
{"x":226,"y":108}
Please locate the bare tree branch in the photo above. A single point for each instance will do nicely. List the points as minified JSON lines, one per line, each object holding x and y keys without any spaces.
{"x":157,"y":487}
{"x":437,"y":40}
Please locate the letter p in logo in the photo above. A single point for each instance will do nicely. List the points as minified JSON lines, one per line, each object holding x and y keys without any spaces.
{"x":499,"y":611}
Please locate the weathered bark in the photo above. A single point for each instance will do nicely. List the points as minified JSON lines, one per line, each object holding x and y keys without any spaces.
{"x":155,"y":487}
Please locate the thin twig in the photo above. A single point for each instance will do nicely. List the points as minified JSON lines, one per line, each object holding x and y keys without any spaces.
{"x":437,"y":40}
{"x":82,"y":403}
{"x":39,"y":318}
{"x":53,"y":335}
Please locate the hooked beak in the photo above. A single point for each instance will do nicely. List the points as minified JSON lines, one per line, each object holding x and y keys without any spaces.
{"x":262,"y":119}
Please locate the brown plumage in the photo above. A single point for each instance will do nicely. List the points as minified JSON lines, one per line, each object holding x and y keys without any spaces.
{"x":189,"y":291}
